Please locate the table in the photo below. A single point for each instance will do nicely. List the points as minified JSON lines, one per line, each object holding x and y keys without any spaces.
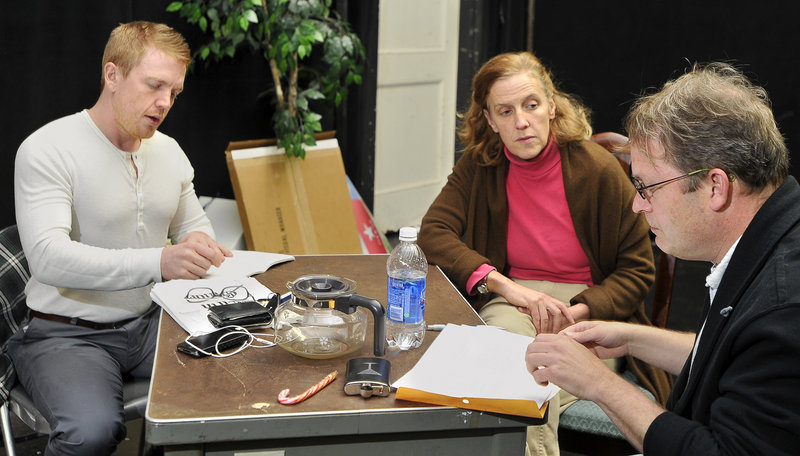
{"x":228,"y":406}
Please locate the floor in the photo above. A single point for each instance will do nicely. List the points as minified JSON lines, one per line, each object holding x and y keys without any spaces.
{"x":30,"y":444}
{"x":684,"y":312}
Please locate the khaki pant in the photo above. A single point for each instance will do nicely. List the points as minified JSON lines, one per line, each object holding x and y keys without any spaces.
{"x":541,"y":440}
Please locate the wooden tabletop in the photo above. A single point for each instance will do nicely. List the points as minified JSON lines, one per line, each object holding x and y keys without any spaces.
{"x":247,"y":384}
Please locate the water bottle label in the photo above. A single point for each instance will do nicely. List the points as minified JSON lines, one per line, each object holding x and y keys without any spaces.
{"x":406,"y":300}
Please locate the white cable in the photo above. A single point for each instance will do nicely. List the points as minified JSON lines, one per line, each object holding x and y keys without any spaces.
{"x":235,"y":330}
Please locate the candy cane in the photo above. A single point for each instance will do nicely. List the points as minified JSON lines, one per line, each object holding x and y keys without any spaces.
{"x":284,"y":398}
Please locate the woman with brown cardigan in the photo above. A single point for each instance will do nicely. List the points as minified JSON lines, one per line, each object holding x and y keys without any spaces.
{"x":535,"y":223}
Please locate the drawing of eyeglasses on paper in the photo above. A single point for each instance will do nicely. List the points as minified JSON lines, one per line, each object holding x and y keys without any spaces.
{"x":207,"y":296}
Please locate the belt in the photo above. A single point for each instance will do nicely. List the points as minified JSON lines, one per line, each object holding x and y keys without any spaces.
{"x":79,"y":321}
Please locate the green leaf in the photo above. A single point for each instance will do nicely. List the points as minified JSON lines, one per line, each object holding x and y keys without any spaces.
{"x":243,"y":23}
{"x":336,"y":68}
{"x":306,"y":28}
{"x":251,"y":16}
{"x":186,"y":11}
{"x":301,"y":51}
{"x":313,"y":94}
{"x":203,"y":23}
{"x":334,"y":45}
{"x":347,"y":44}
{"x":174,"y":6}
{"x":226,"y":29}
{"x":357,"y":79}
{"x":230,"y":51}
{"x":204,"y":52}
{"x":212,"y":14}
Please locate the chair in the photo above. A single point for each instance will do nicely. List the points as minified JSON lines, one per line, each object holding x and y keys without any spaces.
{"x":13,"y":277}
{"x":584,"y":427}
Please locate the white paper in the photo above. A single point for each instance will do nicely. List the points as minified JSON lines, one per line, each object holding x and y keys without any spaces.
{"x":245,"y":263}
{"x":188,"y":301}
{"x":479,"y":362}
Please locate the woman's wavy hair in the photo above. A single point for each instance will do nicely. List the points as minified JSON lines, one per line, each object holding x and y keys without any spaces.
{"x":712,"y":117}
{"x":128,"y":43}
{"x":571,"y":122}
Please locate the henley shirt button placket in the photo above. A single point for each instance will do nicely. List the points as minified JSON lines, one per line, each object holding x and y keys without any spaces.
{"x":139,"y":197}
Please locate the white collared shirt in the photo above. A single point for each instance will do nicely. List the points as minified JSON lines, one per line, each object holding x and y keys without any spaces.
{"x":713,"y":280}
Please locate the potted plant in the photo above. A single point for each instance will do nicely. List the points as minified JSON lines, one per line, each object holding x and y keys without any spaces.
{"x":312,"y":54}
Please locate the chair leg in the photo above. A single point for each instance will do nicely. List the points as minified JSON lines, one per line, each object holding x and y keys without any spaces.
{"x":145,"y":449}
{"x":8,"y":437}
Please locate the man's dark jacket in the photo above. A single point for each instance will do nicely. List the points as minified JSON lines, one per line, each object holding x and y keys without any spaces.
{"x":743,"y":394}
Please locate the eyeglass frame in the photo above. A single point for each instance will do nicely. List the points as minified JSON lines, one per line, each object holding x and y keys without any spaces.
{"x":640,"y":189}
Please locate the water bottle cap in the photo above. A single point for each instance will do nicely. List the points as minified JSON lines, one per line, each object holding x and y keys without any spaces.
{"x":408,"y":233}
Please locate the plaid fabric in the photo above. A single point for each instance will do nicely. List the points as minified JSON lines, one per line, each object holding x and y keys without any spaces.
{"x":13,"y":277}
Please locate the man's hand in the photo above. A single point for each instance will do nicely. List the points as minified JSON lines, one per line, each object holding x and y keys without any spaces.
{"x":606,"y":339}
{"x":559,"y":359}
{"x":571,"y":358}
{"x":192,"y":256}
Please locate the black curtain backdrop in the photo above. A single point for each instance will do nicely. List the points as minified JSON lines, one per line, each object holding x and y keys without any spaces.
{"x":608,"y":52}
{"x":51,"y":56}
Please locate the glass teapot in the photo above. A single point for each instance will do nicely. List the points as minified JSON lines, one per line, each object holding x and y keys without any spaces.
{"x":325,"y":318}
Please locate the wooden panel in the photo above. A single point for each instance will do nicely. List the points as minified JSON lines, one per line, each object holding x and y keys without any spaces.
{"x":415,"y":107}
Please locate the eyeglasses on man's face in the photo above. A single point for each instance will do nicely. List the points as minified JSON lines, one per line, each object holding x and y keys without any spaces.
{"x":644,"y":190}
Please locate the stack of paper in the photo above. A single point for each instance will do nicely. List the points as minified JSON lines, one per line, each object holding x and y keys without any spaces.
{"x":188,"y":301}
{"x":478,"y":368}
{"x":245,"y":263}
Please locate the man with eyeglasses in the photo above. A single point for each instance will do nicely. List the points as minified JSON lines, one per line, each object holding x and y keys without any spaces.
{"x":711,"y":170}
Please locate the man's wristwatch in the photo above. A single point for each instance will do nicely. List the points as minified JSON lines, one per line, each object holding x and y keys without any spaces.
{"x":482,"y":288}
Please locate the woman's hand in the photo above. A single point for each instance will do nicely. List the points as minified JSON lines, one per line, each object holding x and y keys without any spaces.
{"x":547,"y":313}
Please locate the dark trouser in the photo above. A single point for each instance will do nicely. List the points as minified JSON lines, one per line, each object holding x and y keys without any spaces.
{"x":74,"y":376}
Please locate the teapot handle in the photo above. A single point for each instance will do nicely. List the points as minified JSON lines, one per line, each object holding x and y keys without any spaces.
{"x":348,"y":303}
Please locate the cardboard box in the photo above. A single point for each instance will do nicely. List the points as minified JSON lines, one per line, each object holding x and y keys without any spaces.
{"x":292,"y":205}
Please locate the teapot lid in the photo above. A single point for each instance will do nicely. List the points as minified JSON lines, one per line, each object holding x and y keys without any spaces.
{"x":322,"y":286}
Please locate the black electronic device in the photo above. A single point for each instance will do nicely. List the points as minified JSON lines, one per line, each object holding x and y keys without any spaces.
{"x":242,"y":313}
{"x":205,"y":344}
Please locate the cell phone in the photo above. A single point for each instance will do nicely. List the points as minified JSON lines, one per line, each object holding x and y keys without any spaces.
{"x":195,"y":346}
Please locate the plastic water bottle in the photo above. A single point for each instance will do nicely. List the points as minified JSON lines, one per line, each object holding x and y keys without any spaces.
{"x":405,"y":300}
